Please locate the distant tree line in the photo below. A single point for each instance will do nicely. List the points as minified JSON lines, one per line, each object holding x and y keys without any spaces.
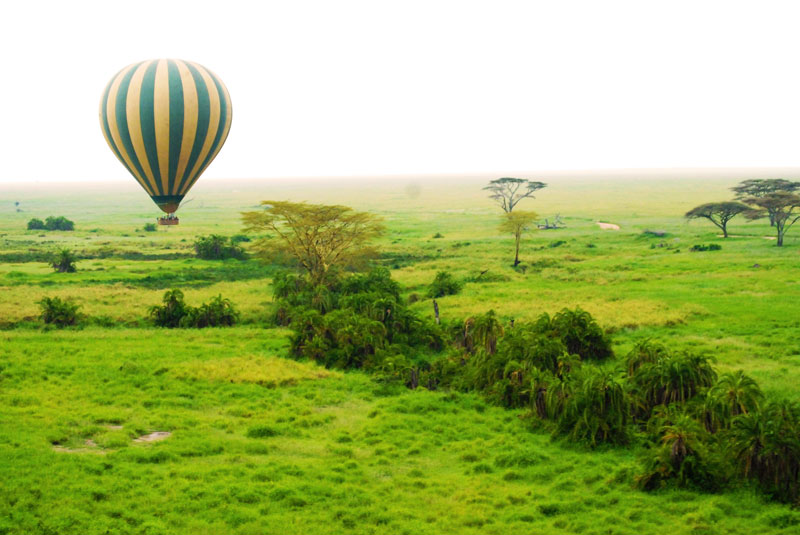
{"x":774,"y":198}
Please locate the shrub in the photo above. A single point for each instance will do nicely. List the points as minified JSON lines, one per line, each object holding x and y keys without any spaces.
{"x":240,"y":238}
{"x":171,"y":312}
{"x":215,"y":247}
{"x":174,"y":312}
{"x":35,"y":224}
{"x":557,"y":243}
{"x":64,"y":262}
{"x":683,"y":457}
{"x":579,"y":332}
{"x":58,"y":223}
{"x":732,"y":395}
{"x":219,"y":312}
{"x":58,"y":312}
{"x":358,"y":321}
{"x":709,"y":247}
{"x":766,"y":448}
{"x":444,"y":284}
{"x":671,"y":379}
{"x":149,"y":227}
{"x":437,"y":236}
{"x":597,"y":411}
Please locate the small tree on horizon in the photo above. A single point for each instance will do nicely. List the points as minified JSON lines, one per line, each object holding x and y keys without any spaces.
{"x":319,"y":237}
{"x":508,"y":191}
{"x":782,"y":207}
{"x":517,"y":223}
{"x":719,"y":213}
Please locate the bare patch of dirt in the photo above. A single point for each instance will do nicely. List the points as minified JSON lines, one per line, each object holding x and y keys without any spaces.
{"x":91,"y":447}
{"x":607,"y":226}
{"x":155,"y":436}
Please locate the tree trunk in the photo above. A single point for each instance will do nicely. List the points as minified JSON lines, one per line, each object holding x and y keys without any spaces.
{"x":436,"y":311}
{"x":516,"y":252}
{"x":724,"y":230}
{"x":780,"y":239}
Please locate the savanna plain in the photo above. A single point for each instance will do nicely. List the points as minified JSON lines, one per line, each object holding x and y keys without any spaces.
{"x":252,"y":441}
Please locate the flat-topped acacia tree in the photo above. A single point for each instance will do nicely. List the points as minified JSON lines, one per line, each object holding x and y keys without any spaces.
{"x":507,"y":191}
{"x":782,"y":207}
{"x":319,"y":237}
{"x":718,"y":213}
{"x":757,"y":188}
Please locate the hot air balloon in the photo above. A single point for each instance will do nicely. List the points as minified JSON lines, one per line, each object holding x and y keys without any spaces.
{"x":165,"y":120}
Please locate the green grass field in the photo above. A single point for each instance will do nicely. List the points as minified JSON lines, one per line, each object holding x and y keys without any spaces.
{"x":263,"y":444}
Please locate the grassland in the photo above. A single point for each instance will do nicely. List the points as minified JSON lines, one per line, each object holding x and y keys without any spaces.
{"x":261,"y":444}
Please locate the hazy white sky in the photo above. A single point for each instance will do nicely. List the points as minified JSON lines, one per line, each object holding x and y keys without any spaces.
{"x":378,"y":87}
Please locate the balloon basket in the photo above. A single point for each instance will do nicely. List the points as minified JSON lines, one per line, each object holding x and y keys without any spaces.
{"x":168,"y":220}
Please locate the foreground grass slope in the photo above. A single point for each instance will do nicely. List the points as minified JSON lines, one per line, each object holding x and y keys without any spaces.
{"x":298,"y":450}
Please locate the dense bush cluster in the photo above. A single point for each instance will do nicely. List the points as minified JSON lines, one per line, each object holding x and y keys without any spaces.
{"x":358,"y":321}
{"x":174,"y":312}
{"x":702,"y":430}
{"x":51,"y":223}
{"x":58,"y":312}
{"x":216,"y":247}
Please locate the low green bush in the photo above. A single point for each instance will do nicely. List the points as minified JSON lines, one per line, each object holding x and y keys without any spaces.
{"x":58,"y":312}
{"x":64,"y":261}
{"x":174,"y":312}
{"x":36,"y":224}
{"x":216,"y":247}
{"x":709,"y":247}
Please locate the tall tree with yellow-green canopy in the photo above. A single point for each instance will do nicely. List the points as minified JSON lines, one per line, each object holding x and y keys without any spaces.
{"x":319,"y":237}
{"x":517,"y":223}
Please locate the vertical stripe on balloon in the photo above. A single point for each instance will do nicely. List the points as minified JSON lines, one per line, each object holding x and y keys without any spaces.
{"x":203,"y":113}
{"x":161,"y":106}
{"x":141,"y":98}
{"x":226,"y":115}
{"x":134,"y":118}
{"x":190,"y":114}
{"x":118,"y":124}
{"x":176,"y":112}
{"x":107,"y":130}
{"x":213,"y":126}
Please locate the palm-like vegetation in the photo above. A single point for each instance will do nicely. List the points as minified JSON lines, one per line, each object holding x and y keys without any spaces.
{"x":681,"y":457}
{"x":766,"y":448}
{"x":671,"y":379}
{"x":732,"y":395}
{"x":597,"y":410}
{"x":482,"y":332}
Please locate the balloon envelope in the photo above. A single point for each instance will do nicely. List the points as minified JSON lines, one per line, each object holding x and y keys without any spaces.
{"x":165,"y":120}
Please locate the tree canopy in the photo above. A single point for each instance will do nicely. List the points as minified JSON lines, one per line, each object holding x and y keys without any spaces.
{"x":718,"y":213}
{"x":507,"y":191}
{"x":319,"y":237}
{"x":517,"y":223}
{"x":782,"y":207}
{"x":759,"y":187}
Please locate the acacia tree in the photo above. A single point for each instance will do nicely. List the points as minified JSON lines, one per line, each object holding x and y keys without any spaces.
{"x":718,"y":213}
{"x":517,"y":223}
{"x":782,"y":207}
{"x":319,"y":237}
{"x":759,"y":187}
{"x":509,"y":191}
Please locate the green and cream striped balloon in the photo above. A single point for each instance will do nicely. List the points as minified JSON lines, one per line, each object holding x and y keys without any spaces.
{"x":166,"y":120}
